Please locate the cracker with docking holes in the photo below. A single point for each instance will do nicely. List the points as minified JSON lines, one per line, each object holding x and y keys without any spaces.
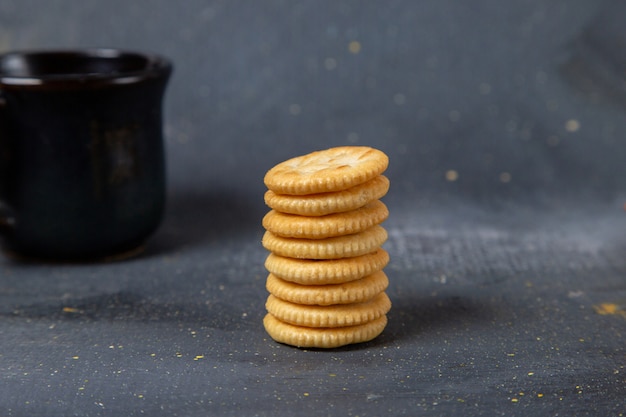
{"x":357,"y":291}
{"x":323,"y":272}
{"x":328,"y":203}
{"x":329,"y":248}
{"x":331,"y":225}
{"x":326,"y":282}
{"x":326,"y":171}
{"x":325,"y":338}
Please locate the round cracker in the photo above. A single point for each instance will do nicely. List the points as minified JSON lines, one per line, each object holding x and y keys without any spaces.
{"x":339,"y":315}
{"x":357,"y":291}
{"x":328,"y":203}
{"x":322,"y":272}
{"x":330,"y":170}
{"x":329,"y":248}
{"x":325,"y":338}
{"x":331,"y":225}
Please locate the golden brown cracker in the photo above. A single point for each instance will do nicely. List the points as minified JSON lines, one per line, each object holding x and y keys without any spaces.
{"x":322,"y":272}
{"x":339,"y":315}
{"x":357,"y":291}
{"x":329,"y":170}
{"x":331,"y":225}
{"x":329,"y":248}
{"x":327,"y":203}
{"x":324,"y":338}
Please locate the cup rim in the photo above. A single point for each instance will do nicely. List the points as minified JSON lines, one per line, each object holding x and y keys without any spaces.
{"x":155,"y":66}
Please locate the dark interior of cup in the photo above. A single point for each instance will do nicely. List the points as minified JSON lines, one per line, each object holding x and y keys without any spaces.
{"x":63,"y":64}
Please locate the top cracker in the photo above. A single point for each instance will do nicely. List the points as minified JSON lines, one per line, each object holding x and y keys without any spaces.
{"x":330,"y":170}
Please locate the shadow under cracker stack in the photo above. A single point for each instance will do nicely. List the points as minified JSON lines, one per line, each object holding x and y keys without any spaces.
{"x":326,"y":282}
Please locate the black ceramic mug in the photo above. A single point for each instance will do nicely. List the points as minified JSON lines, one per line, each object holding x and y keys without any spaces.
{"x":82,"y":165}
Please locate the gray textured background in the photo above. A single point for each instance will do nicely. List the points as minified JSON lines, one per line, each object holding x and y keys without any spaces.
{"x":496,"y":277}
{"x":483,"y":88}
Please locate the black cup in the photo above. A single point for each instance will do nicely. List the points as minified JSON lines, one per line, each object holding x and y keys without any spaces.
{"x":82,"y":164}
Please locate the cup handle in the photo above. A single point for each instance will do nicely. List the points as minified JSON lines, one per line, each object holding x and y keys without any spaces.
{"x":7,"y":217}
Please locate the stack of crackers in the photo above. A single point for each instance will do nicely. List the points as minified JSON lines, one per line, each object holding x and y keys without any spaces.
{"x":326,"y":282}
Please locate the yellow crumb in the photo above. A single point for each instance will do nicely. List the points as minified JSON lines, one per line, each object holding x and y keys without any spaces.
{"x":354,"y":47}
{"x":572,"y":125}
{"x":452,"y":175}
{"x":608,"y":308}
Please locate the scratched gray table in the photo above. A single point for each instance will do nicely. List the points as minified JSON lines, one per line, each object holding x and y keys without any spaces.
{"x":505,"y":126}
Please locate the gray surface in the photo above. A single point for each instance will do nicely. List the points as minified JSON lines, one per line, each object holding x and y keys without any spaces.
{"x":496,"y":284}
